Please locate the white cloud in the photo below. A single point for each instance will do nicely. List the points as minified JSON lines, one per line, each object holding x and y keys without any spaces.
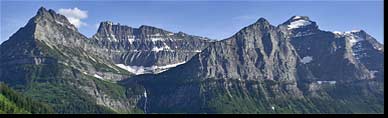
{"x":74,"y":15}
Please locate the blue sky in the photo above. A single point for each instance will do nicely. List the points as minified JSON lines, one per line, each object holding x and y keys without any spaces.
{"x":217,"y":19}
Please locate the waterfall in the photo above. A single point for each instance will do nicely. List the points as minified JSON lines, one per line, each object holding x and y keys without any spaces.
{"x":145,"y":102}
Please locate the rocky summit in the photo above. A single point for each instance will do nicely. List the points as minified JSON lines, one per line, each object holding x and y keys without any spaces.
{"x":293,"y":67}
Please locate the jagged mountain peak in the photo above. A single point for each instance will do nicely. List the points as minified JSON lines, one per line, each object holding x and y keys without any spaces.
{"x":108,"y":27}
{"x":260,"y":25}
{"x":262,"y":21}
{"x":44,"y":22}
{"x":293,"y":18}
{"x":106,"y":23}
{"x":300,"y":22}
{"x":42,"y":10}
{"x":51,"y":16}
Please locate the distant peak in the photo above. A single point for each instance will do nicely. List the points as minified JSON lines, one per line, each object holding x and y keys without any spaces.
{"x":262,"y":21}
{"x":108,"y":26}
{"x":297,"y":22}
{"x":180,"y":33}
{"x":42,"y":11}
{"x":293,"y":18}
{"x":44,"y":15}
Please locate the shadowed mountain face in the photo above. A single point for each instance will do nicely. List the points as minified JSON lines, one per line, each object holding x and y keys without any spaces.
{"x":291,"y":68}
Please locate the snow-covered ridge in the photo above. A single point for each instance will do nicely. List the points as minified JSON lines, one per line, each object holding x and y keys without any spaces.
{"x":298,"y":23}
{"x":138,"y":70}
{"x":338,"y":32}
{"x":296,"y":17}
{"x":353,"y":38}
{"x":353,"y":31}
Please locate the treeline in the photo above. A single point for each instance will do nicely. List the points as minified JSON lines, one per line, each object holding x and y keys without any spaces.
{"x":14,"y":102}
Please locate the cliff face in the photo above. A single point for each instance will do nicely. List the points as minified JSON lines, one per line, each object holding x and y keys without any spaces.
{"x":146,"y":49}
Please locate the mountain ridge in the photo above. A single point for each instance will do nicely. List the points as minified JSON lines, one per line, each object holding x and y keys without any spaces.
{"x":292,"y":67}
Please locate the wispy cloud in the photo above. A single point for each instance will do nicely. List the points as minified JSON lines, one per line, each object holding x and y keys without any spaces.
{"x":74,"y":15}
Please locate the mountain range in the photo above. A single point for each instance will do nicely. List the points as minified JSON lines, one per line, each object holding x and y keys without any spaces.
{"x":293,"y":67}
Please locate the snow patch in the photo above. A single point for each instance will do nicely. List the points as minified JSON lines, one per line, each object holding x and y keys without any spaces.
{"x":326,"y":82}
{"x":306,"y":59}
{"x":156,"y":49}
{"x":110,"y":23}
{"x":112,"y":37}
{"x":157,"y":39}
{"x":197,"y":51}
{"x":338,"y":32}
{"x":356,"y":49}
{"x":353,"y":39}
{"x":299,"y":34}
{"x":97,"y":76}
{"x":298,"y":23}
{"x":296,"y":17}
{"x":355,"y":30}
{"x":59,"y":22}
{"x":131,"y":39}
{"x":138,"y":70}
{"x":372,"y":73}
{"x":92,"y":58}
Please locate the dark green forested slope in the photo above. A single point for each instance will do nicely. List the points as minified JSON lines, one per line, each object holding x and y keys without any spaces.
{"x":13,"y":102}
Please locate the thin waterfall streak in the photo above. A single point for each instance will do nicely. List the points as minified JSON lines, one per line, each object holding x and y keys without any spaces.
{"x":145,"y":102}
